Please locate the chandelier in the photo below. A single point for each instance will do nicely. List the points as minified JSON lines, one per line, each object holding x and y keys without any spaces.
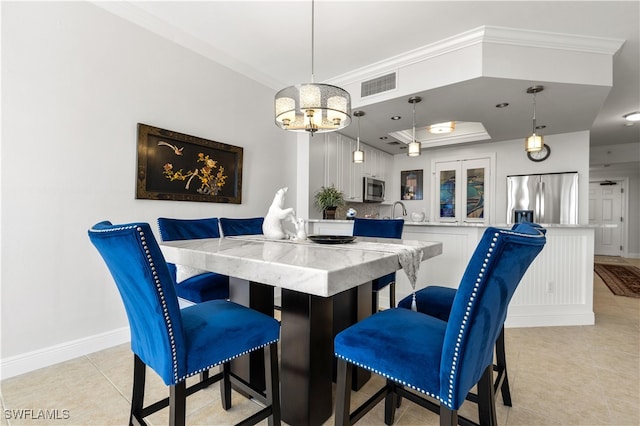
{"x":534,"y":143}
{"x":312,"y":107}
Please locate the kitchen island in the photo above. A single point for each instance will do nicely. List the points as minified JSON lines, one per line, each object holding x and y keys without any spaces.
{"x":557,"y":290}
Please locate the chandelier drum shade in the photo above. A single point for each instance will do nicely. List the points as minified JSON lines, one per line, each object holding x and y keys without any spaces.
{"x":312,"y":107}
{"x":535,"y":142}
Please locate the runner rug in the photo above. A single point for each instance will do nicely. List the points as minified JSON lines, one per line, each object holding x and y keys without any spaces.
{"x":622,"y":280}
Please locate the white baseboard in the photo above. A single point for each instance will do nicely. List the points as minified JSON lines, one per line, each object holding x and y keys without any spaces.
{"x":549,"y":320}
{"x":24,"y":363}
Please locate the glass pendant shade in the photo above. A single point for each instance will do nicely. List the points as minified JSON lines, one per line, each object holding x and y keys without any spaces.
{"x":414,"y":149}
{"x":534,"y":143}
{"x":358,"y":154}
{"x":313,"y":107}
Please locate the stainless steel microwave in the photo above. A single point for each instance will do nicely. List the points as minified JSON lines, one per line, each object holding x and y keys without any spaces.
{"x":373,"y":190}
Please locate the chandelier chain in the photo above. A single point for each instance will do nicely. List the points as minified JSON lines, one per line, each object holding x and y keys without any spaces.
{"x":313,"y":13}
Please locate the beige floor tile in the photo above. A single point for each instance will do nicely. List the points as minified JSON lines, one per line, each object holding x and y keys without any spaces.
{"x":588,"y":375}
{"x":74,"y":388}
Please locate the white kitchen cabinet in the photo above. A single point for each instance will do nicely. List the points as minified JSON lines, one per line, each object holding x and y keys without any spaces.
{"x":344,"y":174}
{"x":332,"y":170}
{"x":376,"y":163}
{"x":351,"y":172}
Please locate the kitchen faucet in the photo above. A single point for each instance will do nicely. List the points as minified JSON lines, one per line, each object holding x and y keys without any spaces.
{"x":393,"y":211}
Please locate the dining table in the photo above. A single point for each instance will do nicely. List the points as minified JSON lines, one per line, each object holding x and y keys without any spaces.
{"x":325,"y":287}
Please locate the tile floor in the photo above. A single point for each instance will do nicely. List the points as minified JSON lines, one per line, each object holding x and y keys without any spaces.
{"x":588,"y":375}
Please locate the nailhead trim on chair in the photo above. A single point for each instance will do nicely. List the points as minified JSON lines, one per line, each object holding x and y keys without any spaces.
{"x":163,"y":302}
{"x":380,"y":373}
{"x":166,"y":311}
{"x":228,"y":359}
{"x":454,"y":361}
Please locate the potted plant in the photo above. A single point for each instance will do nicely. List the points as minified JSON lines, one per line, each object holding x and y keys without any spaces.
{"x":328,"y":199}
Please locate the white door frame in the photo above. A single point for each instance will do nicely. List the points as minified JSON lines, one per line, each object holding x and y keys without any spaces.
{"x":624,"y":184}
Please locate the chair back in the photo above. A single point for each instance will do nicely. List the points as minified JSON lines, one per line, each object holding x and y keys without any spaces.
{"x":480,"y":306}
{"x":140,"y":272}
{"x":381,"y":228}
{"x":188,"y":229}
{"x":244,"y":226}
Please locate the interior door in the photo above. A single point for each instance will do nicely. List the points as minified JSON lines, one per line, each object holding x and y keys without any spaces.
{"x":605,"y":208}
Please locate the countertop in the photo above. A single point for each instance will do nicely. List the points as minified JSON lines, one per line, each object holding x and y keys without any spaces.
{"x":469,"y":225}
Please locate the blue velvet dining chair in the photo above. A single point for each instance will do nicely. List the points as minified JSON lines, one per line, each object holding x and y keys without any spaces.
{"x":437,"y":301}
{"x":179,"y":343}
{"x":241,"y":226}
{"x":380,"y":228}
{"x":442,"y":360}
{"x":194,"y":285}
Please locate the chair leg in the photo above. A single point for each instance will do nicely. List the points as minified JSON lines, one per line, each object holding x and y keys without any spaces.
{"x":204,"y":375}
{"x":137,"y":399}
{"x":448,"y":417}
{"x":392,"y":295}
{"x":390,"y":403}
{"x":501,"y":361}
{"x":272,"y":380}
{"x":486,"y":399}
{"x":343,"y":393}
{"x":225,"y":386}
{"x":178,"y":403}
{"x":374,"y":302}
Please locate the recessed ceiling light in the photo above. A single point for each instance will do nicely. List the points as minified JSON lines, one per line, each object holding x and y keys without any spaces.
{"x":541,"y":126}
{"x":445,"y":127}
{"x":633,"y":116}
{"x":502,"y":105}
{"x":396,"y":117}
{"x":393,"y":143}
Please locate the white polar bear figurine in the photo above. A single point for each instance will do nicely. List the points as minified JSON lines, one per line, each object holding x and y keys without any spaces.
{"x":272,"y":226}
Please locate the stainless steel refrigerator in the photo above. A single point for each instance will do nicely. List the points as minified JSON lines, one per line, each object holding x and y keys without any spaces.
{"x":543,"y":198}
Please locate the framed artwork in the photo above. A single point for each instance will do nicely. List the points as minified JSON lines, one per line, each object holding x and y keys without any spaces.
{"x":411,"y":185}
{"x":179,"y":167}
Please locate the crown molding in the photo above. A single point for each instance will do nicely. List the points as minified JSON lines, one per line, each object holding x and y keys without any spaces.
{"x":480,"y":35}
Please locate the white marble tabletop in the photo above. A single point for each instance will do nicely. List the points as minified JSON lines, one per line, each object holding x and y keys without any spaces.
{"x":317,"y":269}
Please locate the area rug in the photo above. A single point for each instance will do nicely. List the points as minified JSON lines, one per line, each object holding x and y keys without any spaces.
{"x":622,"y":280}
{"x":609,"y":259}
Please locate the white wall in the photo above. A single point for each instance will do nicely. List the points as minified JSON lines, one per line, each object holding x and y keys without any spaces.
{"x":569,"y":152}
{"x":75,"y":82}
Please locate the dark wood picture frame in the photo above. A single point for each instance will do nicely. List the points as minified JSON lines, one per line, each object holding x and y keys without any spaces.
{"x":411,"y":184}
{"x":179,"y":167}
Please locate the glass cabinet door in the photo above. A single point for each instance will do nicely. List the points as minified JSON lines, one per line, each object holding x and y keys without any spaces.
{"x":461,"y":191}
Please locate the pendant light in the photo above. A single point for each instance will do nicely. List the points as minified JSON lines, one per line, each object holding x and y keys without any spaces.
{"x":358,"y":155}
{"x":414,"y":145}
{"x":312,"y":107}
{"x":534,"y":143}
